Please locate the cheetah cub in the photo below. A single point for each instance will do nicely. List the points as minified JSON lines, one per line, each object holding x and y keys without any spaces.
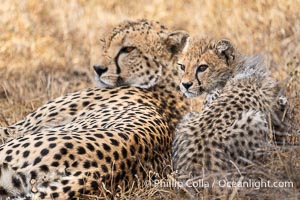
{"x":232,"y":128}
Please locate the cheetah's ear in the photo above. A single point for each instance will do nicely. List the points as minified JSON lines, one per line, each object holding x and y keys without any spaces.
{"x":176,"y":41}
{"x":225,"y":50}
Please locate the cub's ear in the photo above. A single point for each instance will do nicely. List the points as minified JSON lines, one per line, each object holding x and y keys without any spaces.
{"x":225,"y":50}
{"x":176,"y":41}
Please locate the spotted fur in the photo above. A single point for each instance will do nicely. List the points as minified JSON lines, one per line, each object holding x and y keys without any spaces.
{"x":93,"y":140}
{"x":232,"y":130}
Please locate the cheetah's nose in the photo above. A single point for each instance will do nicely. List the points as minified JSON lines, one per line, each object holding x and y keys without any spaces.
{"x":187,"y":85}
{"x":100,"y":69}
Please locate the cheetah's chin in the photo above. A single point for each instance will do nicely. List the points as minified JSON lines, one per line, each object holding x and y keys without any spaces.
{"x":102,"y":84}
{"x":191,"y":94}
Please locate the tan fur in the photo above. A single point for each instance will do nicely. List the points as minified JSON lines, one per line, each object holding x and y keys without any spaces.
{"x":145,"y":65}
{"x":232,"y":129}
{"x":102,"y":137}
{"x":204,"y":52}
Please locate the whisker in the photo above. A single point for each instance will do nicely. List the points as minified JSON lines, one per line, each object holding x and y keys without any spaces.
{"x":110,"y":75}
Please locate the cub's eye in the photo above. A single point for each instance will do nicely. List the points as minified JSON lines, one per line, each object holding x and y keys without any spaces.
{"x":202,"y":68}
{"x":182,"y":67}
{"x":127,"y":49}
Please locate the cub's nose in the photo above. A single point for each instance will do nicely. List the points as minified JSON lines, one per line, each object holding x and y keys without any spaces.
{"x":100,"y":69}
{"x":187,"y":85}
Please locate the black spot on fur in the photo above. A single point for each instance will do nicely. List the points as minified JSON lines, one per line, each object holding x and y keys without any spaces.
{"x":136,"y":138}
{"x":69,"y":145}
{"x":108,"y":159}
{"x":114,"y":142}
{"x":106,"y":147}
{"x":81,"y":181}
{"x":39,"y":143}
{"x":124,"y":152}
{"x":52,"y":145}
{"x":37,"y":160}
{"x":55,"y":164}
{"x":100,"y":155}
{"x":38,"y":115}
{"x":52,"y":139}
{"x":44,"y":152}
{"x":109,"y":134}
{"x":54,"y":195}
{"x":73,"y":105}
{"x":132,"y":150}
{"x":63,"y":151}
{"x":22,"y":139}
{"x":87,"y":164}
{"x":67,"y":138}
{"x":77,"y":173}
{"x":64,"y":182}
{"x":57,"y":156}
{"x":116,"y":155}
{"x":8,"y":158}
{"x":122,"y":165}
{"x":25,"y":145}
{"x":75,"y":164}
{"x":33,"y":175}
{"x":16,"y":182}
{"x":81,"y":150}
{"x":53,"y":114}
{"x":251,"y":133}
{"x":90,"y":94}
{"x":94,"y":164}
{"x":25,"y":164}
{"x":96,"y":175}
{"x":43,"y":195}
{"x":125,"y":137}
{"x":66,"y":189}
{"x":71,"y":156}
{"x":85,"y":103}
{"x":94,"y":185}
{"x":104,"y":168}
{"x":90,"y":147}
{"x":16,"y":146}
{"x":26,"y":154}
{"x":53,"y":187}
{"x":44,"y":168}
{"x":99,"y":135}
{"x":71,"y":194}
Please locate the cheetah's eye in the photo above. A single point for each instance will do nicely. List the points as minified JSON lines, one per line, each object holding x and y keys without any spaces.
{"x":202,"y":68}
{"x":182,"y":67}
{"x":127,"y":49}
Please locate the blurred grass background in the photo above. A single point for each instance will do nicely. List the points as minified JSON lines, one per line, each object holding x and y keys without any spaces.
{"x":47,"y":48}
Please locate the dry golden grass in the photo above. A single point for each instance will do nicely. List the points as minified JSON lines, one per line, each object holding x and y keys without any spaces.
{"x":47,"y":49}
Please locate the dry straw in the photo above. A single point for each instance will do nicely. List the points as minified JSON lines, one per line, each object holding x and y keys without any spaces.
{"x":47,"y":49}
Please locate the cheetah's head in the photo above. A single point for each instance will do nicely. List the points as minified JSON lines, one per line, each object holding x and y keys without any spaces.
{"x":137,"y":54}
{"x":205,"y":65}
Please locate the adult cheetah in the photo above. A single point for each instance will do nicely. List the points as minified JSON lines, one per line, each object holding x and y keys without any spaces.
{"x":232,"y":128}
{"x":102,"y":137}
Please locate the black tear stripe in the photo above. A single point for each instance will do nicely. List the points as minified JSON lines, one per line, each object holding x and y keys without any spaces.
{"x":117,"y":64}
{"x":196,"y":77}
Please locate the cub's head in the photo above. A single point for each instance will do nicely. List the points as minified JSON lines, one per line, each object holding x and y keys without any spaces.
{"x":138,"y":54}
{"x":205,"y":65}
